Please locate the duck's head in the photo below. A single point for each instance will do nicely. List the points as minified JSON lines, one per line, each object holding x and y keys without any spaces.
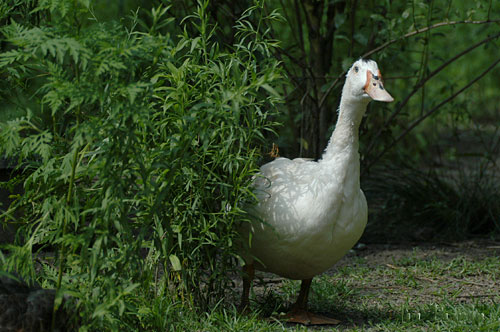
{"x":364,"y":82}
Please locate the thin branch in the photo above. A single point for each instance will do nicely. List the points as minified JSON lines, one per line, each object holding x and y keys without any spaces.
{"x":422,"y":83}
{"x":353,"y":25}
{"x":489,"y":10}
{"x":288,"y":19}
{"x":303,"y":66}
{"x":300,"y":31}
{"x":430,"y":112}
{"x":295,"y":60}
{"x":392,"y":41}
{"x":303,"y":63}
{"x":419,"y":31}
{"x":312,"y":30}
{"x":330,"y":88}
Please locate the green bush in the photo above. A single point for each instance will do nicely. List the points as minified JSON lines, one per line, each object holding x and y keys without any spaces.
{"x":135,"y":153}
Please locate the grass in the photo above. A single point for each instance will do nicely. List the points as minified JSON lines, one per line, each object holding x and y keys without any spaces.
{"x":434,"y":205}
{"x":444,"y":288}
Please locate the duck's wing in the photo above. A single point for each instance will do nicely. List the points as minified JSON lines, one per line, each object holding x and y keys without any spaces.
{"x":286,"y":180}
{"x":282,"y":170}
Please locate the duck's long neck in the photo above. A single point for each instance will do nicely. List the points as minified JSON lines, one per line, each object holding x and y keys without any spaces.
{"x":345,"y":137}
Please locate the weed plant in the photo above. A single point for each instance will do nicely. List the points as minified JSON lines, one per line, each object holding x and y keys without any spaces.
{"x":136,"y":149}
{"x":426,"y":205}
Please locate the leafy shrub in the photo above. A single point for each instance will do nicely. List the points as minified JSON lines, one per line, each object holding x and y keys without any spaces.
{"x":136,"y":152}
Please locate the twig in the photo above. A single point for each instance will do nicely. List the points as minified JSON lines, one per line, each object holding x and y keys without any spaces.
{"x":468,"y":282}
{"x":479,"y":295}
{"x":426,"y":279}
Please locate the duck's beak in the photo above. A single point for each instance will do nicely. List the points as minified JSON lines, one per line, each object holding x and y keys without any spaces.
{"x":374,"y":87}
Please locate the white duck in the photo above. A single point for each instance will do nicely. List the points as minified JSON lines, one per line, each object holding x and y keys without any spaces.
{"x":311,"y":213}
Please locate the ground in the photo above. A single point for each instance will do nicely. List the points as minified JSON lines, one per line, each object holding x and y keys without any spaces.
{"x":421,"y":287}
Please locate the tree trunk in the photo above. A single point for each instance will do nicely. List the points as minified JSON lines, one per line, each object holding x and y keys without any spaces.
{"x":315,"y":121}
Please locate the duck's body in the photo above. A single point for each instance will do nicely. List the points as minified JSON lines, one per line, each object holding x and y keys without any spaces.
{"x":307,"y":223}
{"x":309,"y":214}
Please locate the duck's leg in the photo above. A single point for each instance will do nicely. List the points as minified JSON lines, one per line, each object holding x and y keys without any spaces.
{"x":248,"y":274}
{"x":301,"y":303}
{"x":299,"y":313}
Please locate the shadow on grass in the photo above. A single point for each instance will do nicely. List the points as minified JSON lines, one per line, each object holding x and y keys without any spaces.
{"x":337,"y":301}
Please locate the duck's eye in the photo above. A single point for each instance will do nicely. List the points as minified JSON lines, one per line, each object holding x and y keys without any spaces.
{"x":356,"y":69}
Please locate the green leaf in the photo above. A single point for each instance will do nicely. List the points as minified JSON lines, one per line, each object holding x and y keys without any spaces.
{"x":176,"y":263}
{"x":270,"y":89}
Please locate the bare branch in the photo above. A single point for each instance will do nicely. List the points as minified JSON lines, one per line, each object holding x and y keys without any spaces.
{"x":409,"y":34}
{"x":327,"y":92}
{"x":428,"y":113}
{"x":422,"y":83}
{"x":419,"y":31}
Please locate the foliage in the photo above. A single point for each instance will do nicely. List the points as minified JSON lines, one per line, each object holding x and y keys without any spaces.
{"x":136,"y":152}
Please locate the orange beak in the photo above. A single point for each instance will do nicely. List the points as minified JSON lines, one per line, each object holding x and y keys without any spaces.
{"x":374,"y":87}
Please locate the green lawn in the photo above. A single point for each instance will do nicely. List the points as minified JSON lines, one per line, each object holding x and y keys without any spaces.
{"x":450,"y":287}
